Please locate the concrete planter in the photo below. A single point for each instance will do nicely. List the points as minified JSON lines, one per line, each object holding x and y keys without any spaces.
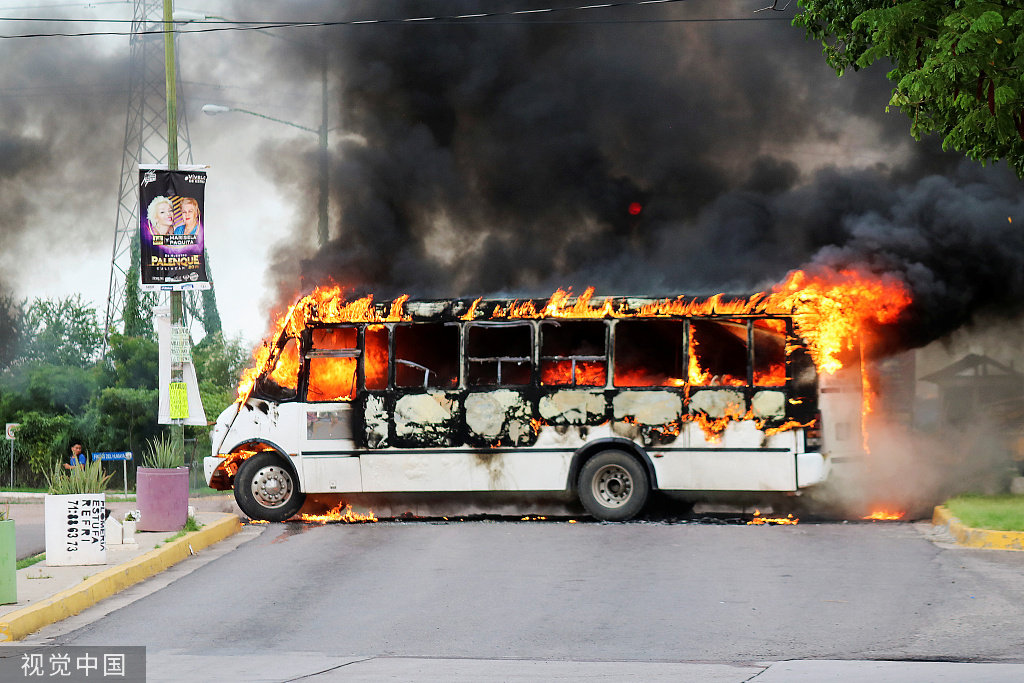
{"x":128,"y":531}
{"x":8,"y":564}
{"x":75,"y":526}
{"x":162,"y":496}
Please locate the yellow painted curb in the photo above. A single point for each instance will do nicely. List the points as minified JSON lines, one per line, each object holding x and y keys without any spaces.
{"x":977,"y":538}
{"x":20,"y":623}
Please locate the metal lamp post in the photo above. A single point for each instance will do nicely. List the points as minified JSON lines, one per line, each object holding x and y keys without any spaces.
{"x":214,"y":109}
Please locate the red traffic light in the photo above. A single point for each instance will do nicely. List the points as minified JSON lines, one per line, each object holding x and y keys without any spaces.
{"x":635,"y":209}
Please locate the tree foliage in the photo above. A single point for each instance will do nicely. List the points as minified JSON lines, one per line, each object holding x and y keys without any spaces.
{"x":12,"y":328}
{"x":54,"y":384}
{"x":47,"y":439}
{"x":132,"y":362}
{"x":958,"y":65}
{"x":62,"y":332}
{"x":123,"y":418}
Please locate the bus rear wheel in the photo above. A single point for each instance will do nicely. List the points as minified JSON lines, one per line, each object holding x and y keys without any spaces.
{"x":266,"y":488}
{"x":613,"y":486}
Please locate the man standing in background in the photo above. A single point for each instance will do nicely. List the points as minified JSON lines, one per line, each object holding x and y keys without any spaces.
{"x":77,"y":458}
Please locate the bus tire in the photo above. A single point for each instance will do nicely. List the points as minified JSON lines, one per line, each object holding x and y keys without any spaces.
{"x":266,"y":488}
{"x":613,"y":486}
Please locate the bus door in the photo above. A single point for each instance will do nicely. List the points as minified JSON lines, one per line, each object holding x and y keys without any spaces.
{"x":329,"y":458}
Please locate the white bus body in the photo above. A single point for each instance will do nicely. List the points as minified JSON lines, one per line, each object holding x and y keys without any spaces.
{"x":440,"y":404}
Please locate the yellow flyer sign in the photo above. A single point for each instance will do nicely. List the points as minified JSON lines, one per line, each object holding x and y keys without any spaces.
{"x":178,"y":401}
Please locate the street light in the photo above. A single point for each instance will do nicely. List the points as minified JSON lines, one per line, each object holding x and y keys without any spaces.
{"x":214,"y":109}
{"x":186,"y":16}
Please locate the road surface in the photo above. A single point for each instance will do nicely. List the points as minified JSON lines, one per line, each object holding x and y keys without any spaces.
{"x":637,"y":595}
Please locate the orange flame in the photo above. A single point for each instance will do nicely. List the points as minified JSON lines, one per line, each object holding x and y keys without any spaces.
{"x":758,"y":520}
{"x":829,"y":310}
{"x":325,"y":305}
{"x":340,"y":513}
{"x":886,"y":514}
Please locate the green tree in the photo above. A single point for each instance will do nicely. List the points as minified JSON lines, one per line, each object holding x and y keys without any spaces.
{"x":12,"y":329}
{"x":132,"y":362}
{"x":124,"y":418}
{"x":958,"y":65}
{"x":47,"y":388}
{"x":219,"y":365}
{"x":62,"y":332}
{"x":47,"y":439}
{"x":221,"y":361}
{"x":138,"y":321}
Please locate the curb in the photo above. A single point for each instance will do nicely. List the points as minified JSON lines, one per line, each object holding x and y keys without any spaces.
{"x":977,"y":538}
{"x":20,"y":623}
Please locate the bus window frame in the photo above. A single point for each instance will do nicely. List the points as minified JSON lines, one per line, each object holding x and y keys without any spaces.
{"x":607,"y":358}
{"x":466,"y":359}
{"x":305,"y":366}
{"x":298,"y":393}
{"x":788,"y":335}
{"x":684,"y":357}
{"x":394,"y":360}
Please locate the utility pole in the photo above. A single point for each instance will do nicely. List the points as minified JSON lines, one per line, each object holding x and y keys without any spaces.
{"x":171,"y":80}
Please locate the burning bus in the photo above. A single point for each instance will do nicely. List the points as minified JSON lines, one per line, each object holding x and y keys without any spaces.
{"x":608,"y":398}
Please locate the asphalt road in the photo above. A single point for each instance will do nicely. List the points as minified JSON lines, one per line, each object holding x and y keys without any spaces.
{"x":644,"y":593}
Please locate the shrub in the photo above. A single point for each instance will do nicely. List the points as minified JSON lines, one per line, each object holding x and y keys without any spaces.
{"x":163,"y":453}
{"x":88,"y":478}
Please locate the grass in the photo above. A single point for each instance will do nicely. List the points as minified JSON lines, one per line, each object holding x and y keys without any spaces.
{"x":998,"y":513}
{"x":29,"y":561}
{"x":190,"y":525}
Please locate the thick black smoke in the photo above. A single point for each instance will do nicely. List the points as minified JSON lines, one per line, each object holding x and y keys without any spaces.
{"x":62,"y":116}
{"x":506,"y":158}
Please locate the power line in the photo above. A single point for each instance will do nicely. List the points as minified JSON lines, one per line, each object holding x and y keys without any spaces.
{"x":83,"y":5}
{"x":459,"y":19}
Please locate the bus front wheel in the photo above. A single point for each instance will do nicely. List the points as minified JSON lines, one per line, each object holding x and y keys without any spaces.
{"x":266,"y":488}
{"x":613,"y":486}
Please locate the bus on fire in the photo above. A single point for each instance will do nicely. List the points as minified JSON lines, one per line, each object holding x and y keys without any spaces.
{"x":607,"y":399}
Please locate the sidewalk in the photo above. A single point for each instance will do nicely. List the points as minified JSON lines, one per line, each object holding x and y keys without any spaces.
{"x":47,"y":595}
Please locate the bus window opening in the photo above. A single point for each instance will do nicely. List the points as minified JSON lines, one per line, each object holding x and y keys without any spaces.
{"x":770,"y":352}
{"x":375,"y":358}
{"x":649,"y":353}
{"x":499,"y":356}
{"x":718,"y":353}
{"x":282,"y":382}
{"x":332,"y":364}
{"x":573,"y":353}
{"x":427,"y":355}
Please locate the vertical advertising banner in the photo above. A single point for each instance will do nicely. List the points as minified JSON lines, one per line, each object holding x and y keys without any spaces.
{"x":171,"y":205}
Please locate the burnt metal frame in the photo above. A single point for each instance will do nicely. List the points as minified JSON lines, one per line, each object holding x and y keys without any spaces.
{"x":606,"y":358}
{"x":467,"y":359}
{"x":536,"y":339}
{"x":394,"y":360}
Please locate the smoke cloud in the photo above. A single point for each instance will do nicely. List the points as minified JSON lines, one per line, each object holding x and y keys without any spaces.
{"x":504,"y":158}
{"x":62,"y":115}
